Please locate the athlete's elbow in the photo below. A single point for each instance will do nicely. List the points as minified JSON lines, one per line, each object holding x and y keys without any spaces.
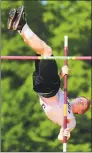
{"x":72,"y":124}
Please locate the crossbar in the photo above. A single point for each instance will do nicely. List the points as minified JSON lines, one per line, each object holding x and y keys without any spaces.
{"x":45,"y":57}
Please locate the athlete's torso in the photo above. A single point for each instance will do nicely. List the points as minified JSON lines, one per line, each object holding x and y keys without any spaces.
{"x":53,"y":107}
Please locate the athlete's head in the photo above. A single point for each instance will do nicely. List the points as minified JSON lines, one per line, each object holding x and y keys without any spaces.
{"x":80,"y":105}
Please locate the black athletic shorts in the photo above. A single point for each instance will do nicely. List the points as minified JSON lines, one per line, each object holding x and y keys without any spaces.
{"x":46,"y":81}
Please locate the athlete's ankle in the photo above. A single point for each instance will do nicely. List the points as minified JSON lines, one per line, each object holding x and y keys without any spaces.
{"x":26,"y":31}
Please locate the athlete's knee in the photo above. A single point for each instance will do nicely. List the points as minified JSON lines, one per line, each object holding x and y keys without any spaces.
{"x":48,"y":51}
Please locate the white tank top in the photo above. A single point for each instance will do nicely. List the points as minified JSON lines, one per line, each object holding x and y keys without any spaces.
{"x":55,"y":112}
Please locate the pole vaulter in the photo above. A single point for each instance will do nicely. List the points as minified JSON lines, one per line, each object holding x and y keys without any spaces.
{"x":45,"y":78}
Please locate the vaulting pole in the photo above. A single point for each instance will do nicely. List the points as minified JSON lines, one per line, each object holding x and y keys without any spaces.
{"x":65,"y":93}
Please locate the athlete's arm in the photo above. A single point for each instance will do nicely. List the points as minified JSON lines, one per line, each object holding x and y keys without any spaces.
{"x":71,"y":124}
{"x":64,"y":71}
{"x":66,"y":132}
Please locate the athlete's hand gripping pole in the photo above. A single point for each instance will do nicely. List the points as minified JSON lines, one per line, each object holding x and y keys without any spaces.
{"x":65,"y":93}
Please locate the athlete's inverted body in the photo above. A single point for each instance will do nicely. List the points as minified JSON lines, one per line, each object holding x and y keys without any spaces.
{"x":46,"y":81}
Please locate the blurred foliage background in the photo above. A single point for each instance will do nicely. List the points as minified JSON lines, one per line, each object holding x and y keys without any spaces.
{"x":25,"y":128}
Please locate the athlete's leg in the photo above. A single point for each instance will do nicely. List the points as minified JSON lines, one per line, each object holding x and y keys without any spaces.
{"x":46,"y":80}
{"x":17,"y":21}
